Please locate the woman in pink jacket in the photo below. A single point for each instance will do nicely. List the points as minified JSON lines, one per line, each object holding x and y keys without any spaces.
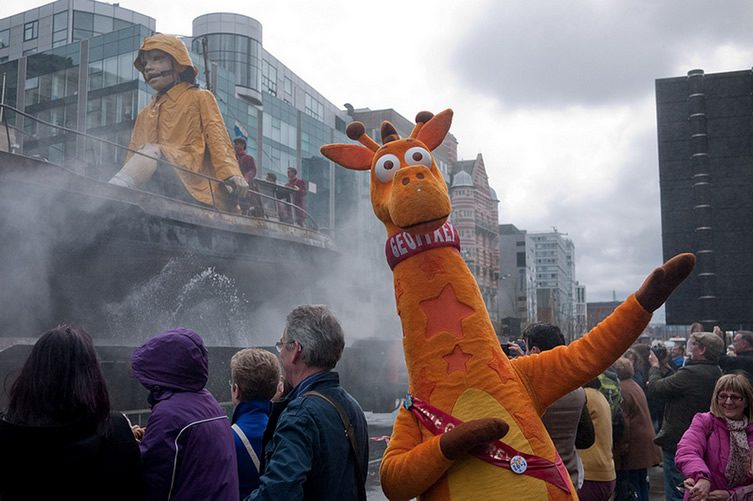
{"x":714,"y":454}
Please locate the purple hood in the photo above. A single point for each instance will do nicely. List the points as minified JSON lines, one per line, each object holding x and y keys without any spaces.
{"x":172,"y":360}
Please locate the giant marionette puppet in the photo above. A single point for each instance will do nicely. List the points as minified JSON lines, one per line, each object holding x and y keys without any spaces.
{"x":471,"y":427}
{"x":183,"y":125}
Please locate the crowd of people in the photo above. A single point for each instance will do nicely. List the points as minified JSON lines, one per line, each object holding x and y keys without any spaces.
{"x":295,"y":433}
{"x":298,"y":437}
{"x":685,"y":408}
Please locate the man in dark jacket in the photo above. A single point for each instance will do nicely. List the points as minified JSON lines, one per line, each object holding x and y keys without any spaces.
{"x":742,"y":343}
{"x":309,"y":455}
{"x":685,"y":393}
{"x":187,"y":451}
{"x":567,"y":420}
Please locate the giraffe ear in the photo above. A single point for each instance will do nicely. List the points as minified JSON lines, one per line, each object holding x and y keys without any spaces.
{"x":350,"y":156}
{"x":434,"y":131}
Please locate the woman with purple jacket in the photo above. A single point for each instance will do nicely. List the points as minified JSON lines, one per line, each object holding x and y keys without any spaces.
{"x":714,"y":454}
{"x":187,"y":451}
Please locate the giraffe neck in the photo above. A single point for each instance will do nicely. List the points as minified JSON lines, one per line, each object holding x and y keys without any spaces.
{"x":446,"y":328}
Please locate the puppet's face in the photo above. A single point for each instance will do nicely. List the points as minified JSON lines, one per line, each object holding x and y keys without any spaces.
{"x":159,"y":70}
{"x":407,"y":189}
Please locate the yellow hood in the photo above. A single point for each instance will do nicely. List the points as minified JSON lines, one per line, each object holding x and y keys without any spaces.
{"x":169,"y":44}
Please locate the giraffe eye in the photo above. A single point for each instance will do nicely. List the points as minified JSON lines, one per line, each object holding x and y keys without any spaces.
{"x":386,"y":167}
{"x":418,"y":155}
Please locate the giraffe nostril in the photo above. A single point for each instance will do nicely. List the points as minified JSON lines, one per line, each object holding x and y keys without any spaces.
{"x":420,"y":175}
{"x":406,"y":180}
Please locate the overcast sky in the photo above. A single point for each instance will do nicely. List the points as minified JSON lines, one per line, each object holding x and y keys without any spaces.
{"x":557,"y":95}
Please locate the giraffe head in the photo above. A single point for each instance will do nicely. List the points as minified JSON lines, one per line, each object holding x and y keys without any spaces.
{"x":408,"y":192}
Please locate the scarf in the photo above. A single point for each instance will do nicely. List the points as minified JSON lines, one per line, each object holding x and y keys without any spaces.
{"x":738,"y":462}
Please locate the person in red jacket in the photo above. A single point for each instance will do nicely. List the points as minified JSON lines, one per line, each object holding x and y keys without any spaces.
{"x":251,"y":204}
{"x":299,"y":197}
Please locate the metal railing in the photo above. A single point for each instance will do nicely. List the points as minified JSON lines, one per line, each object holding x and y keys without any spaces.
{"x":264,"y":200}
{"x":141,"y":416}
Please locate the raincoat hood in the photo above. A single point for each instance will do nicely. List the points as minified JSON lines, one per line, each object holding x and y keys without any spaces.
{"x":169,"y":44}
{"x":173,"y":360}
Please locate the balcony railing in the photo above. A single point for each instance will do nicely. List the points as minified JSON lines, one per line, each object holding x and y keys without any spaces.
{"x":264,"y":200}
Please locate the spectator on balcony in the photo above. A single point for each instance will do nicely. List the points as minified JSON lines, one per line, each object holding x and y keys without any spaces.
{"x":251,"y":204}
{"x":299,"y":197}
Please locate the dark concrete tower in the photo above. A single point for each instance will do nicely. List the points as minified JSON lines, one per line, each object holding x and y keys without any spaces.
{"x":702,"y":200}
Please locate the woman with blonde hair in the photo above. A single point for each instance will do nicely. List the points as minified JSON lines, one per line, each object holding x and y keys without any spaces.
{"x":714,"y":454}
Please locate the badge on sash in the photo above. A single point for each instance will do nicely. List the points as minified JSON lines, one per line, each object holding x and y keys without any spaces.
{"x":518,"y":464}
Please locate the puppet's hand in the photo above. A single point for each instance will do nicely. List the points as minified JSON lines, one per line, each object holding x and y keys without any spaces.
{"x":663,"y":280}
{"x":238,"y":185}
{"x":471,"y":434}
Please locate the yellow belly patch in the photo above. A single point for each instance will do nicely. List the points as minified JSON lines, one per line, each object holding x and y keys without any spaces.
{"x":472,"y":478}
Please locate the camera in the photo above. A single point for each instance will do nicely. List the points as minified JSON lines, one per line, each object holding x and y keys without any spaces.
{"x":660,"y":351}
{"x":506,"y":348}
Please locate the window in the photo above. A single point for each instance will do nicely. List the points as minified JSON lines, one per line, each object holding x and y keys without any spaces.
{"x":4,"y":38}
{"x":31,"y":30}
{"x":269,"y":77}
{"x":314,"y":108}
{"x":60,"y":29}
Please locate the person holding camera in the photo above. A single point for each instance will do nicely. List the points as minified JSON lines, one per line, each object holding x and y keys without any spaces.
{"x":667,"y":367}
{"x":684,"y":393}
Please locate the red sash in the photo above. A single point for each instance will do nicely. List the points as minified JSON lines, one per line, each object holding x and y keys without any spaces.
{"x":496,"y":453}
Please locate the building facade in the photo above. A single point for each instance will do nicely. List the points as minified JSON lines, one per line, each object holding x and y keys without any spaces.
{"x":475,"y":215}
{"x":86,"y":81}
{"x":63,"y":22}
{"x":599,"y":310}
{"x":705,"y":131}
{"x":70,"y":63}
{"x":516,"y":296}
{"x":555,"y":281}
{"x":581,"y":311}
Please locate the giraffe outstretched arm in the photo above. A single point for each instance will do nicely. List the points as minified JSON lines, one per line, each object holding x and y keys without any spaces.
{"x":411,"y":466}
{"x":556,"y":372}
{"x":553,"y":373}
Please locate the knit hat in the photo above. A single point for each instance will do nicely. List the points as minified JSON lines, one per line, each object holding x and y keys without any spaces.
{"x":171,"y":45}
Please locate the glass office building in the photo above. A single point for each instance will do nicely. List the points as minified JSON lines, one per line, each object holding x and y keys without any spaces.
{"x":86,"y":82}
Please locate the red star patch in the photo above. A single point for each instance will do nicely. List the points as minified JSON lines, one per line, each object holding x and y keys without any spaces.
{"x":501,"y":368}
{"x":444,"y":314}
{"x":431,"y":266}
{"x":457,"y":360}
{"x":425,"y":385}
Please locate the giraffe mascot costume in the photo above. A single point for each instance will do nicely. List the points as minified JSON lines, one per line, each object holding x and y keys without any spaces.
{"x":470,"y":427}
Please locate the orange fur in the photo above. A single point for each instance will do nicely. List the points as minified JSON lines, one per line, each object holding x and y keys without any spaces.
{"x":452,"y":353}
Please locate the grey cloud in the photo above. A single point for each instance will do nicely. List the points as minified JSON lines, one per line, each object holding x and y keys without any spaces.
{"x":616,"y":232}
{"x":550,"y":53}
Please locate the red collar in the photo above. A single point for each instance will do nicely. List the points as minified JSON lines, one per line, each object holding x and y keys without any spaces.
{"x":403,"y":245}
